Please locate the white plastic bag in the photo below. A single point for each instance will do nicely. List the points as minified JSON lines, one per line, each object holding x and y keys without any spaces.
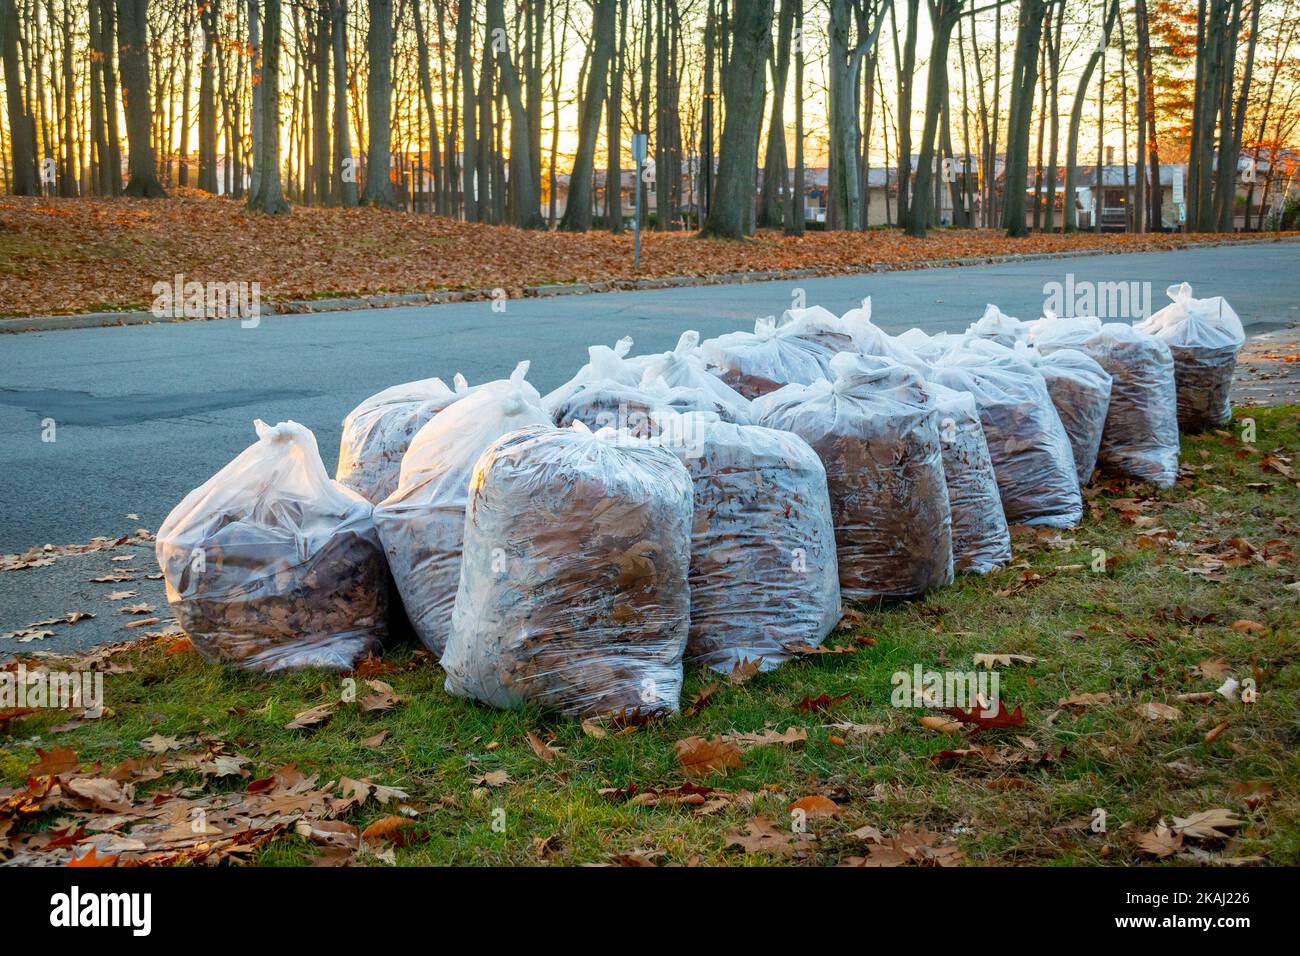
{"x":1031,"y":452}
{"x":1141,"y":436}
{"x":1204,"y":336}
{"x":999,"y":327}
{"x":421,"y":523}
{"x":820,"y":325}
{"x":1080,"y":390}
{"x":875,"y":428}
{"x":758,"y":362}
{"x":602,"y":363}
{"x":271,"y":565}
{"x":377,"y":433}
{"x":981,"y":541}
{"x":683,"y":368}
{"x":573,"y":592}
{"x":763,"y":567}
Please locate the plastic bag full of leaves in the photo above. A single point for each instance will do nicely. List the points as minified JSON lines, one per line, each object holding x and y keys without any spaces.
{"x":763,"y":566}
{"x":271,"y":565}
{"x":1032,"y":457}
{"x":683,"y":368}
{"x":574,"y":591}
{"x":1140,"y":439}
{"x":758,"y":362}
{"x":1205,"y":336}
{"x":421,"y":523}
{"x":377,"y":433}
{"x":981,"y":541}
{"x":1080,"y":390}
{"x":602,"y":361}
{"x":606,"y":400}
{"x":875,"y":428}
{"x":999,"y":327}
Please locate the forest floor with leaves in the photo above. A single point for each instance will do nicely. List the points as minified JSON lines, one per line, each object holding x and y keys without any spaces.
{"x":1112,"y":642}
{"x":60,"y":256}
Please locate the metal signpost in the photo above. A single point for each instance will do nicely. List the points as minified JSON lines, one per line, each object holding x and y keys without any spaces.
{"x":639,"y":142}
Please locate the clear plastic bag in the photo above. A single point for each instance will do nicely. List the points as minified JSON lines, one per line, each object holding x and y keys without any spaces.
{"x":574,"y":591}
{"x":763,"y":566}
{"x":683,"y":368}
{"x":422,"y":522}
{"x":270,"y":565}
{"x":606,"y":400}
{"x":1204,"y":336}
{"x":1080,"y":390}
{"x":377,"y":433}
{"x":999,"y":327}
{"x":603,"y":362}
{"x":1141,"y":436}
{"x":875,"y":428}
{"x":981,"y":541}
{"x":1032,"y":457}
{"x":758,"y":362}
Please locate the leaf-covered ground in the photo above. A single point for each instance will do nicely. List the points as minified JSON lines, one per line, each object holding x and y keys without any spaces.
{"x":1114,"y":675}
{"x":87,"y":255}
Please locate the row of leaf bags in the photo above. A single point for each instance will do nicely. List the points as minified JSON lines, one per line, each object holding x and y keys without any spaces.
{"x":1139,"y":436}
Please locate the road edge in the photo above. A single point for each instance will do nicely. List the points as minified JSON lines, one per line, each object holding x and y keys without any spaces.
{"x":94,"y":320}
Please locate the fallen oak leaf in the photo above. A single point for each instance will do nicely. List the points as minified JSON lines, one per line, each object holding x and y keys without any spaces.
{"x":312,"y":716}
{"x":699,"y":757}
{"x":821,"y":703}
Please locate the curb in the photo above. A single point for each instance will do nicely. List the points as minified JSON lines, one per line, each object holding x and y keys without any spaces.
{"x":92,"y":320}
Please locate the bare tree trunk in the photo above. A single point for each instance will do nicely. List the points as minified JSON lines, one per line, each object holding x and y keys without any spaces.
{"x":775,"y":167}
{"x":794,"y":216}
{"x":426,"y":89}
{"x":22,"y":126}
{"x":577,"y":211}
{"x":345,"y":170}
{"x":743,"y":93}
{"x":1024,"y":79}
{"x":1070,"y":220}
{"x":207,"y":99}
{"x":944,"y":17}
{"x":614,"y":130}
{"x":906,"y":72}
{"x":1155,"y":216}
{"x":133,"y":54}
{"x":268,"y":197}
{"x":523,"y":169}
{"x":379,"y":105}
{"x":469,"y":110}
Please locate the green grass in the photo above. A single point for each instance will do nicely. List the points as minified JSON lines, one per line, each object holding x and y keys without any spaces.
{"x":1119,"y":632}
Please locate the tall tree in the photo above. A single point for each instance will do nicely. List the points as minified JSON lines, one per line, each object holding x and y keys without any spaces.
{"x":906,"y":68}
{"x":426,"y":89}
{"x":523,"y":168}
{"x":268,"y":197}
{"x":1155,"y":199}
{"x":743,"y":91}
{"x":208,"y":13}
{"x":794,"y":207}
{"x":22,"y":125}
{"x":943,"y":18}
{"x":1024,"y":77}
{"x":469,"y":112}
{"x":614,"y":128}
{"x":133,"y":54}
{"x":1071,"y":219}
{"x":344,"y":188}
{"x":775,"y":167}
{"x":379,"y":106}
{"x":577,"y":210}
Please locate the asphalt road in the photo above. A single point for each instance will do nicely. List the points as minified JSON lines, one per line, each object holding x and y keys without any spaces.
{"x":145,"y":413}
